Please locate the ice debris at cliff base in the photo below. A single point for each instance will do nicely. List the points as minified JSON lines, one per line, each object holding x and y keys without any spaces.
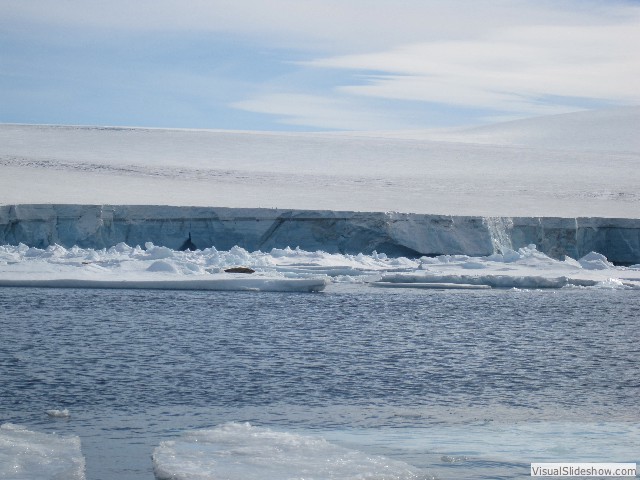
{"x":122,"y":266}
{"x":27,"y":455}
{"x":526,"y":268}
{"x":242,"y":451}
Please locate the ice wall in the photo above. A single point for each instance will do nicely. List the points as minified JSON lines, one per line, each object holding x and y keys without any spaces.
{"x":393,"y":233}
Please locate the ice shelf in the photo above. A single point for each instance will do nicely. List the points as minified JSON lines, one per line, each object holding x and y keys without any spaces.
{"x":392,"y":233}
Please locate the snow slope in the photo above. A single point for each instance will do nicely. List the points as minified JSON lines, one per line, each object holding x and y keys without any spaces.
{"x":579,"y":165}
{"x":611,"y":130}
{"x":603,"y":131}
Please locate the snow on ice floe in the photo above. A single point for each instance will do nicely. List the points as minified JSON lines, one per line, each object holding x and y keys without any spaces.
{"x":526,"y":268}
{"x":28,"y":455}
{"x":240,"y":451}
{"x":155,"y":267}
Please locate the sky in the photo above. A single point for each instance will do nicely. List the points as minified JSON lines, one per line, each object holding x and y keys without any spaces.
{"x":308,"y":65}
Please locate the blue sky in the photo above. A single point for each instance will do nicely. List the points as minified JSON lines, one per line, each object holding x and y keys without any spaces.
{"x":309,"y":65}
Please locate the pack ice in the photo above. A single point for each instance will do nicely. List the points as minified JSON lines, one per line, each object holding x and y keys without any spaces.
{"x":298,"y":270}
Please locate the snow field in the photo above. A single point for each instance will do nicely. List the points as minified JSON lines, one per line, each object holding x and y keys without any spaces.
{"x":576,"y":165}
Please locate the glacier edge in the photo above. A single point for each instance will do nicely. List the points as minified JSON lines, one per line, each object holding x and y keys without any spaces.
{"x":393,"y":233}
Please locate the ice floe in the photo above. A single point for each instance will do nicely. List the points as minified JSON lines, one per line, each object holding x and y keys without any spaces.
{"x":28,"y":455}
{"x":240,"y":451}
{"x":55,"y":413}
{"x":525,"y":268}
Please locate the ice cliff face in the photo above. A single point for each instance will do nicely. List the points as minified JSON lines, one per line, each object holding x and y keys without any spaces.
{"x":396,"y":234}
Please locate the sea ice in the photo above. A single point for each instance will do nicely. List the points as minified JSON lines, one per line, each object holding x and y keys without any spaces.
{"x":289,"y":269}
{"x":525,"y":268}
{"x":240,"y":451}
{"x":55,"y":413}
{"x":27,"y":455}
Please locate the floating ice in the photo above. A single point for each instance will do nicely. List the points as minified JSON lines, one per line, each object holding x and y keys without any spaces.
{"x":235,"y":451}
{"x":526,"y":268}
{"x":58,"y":413}
{"x":27,"y":455}
{"x":289,"y":269}
{"x":494,"y":281}
{"x":429,"y":285}
{"x":227,"y":282}
{"x":611,"y":283}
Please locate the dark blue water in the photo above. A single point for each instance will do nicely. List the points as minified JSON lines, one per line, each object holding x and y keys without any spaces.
{"x":137,"y":367}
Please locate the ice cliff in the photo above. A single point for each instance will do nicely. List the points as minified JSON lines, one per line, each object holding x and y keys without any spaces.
{"x":396,"y":234}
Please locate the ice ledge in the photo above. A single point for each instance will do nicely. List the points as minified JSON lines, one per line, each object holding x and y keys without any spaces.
{"x":396,"y":234}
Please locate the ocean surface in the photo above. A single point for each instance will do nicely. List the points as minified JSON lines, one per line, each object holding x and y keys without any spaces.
{"x":453,"y":384}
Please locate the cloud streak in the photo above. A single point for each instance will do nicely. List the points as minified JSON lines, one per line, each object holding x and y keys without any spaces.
{"x":509,"y":64}
{"x":361,"y":64}
{"x":331,"y":25}
{"x":326,"y":112}
{"x":514,"y":70}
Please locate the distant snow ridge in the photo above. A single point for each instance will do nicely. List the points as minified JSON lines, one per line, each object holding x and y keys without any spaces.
{"x":240,"y":451}
{"x":607,"y":130}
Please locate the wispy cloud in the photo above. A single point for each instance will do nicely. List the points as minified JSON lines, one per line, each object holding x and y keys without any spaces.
{"x":326,"y":112}
{"x":514,"y":70}
{"x":331,"y":25}
{"x":541,"y":59}
{"x":359,"y":64}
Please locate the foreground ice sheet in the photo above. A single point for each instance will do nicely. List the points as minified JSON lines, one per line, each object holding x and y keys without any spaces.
{"x":236,"y":451}
{"x":27,"y":455}
{"x":287,"y":269}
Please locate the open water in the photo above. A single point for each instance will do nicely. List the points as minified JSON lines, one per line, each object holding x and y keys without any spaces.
{"x":457,"y":384}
